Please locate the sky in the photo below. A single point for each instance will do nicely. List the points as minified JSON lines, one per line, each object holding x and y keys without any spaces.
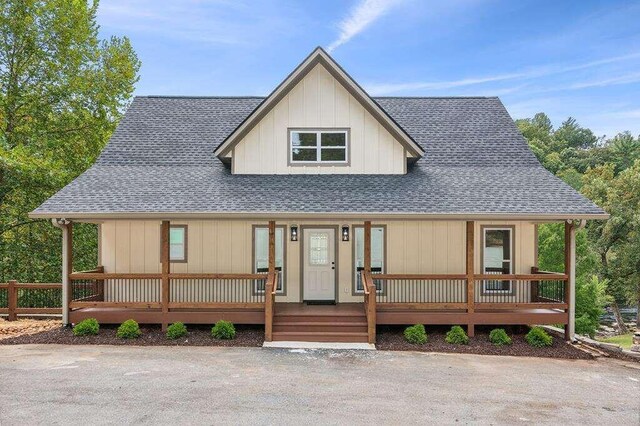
{"x":578,"y":58}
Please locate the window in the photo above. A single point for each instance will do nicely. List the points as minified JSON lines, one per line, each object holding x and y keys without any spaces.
{"x":178,"y":243}
{"x":261,"y":254}
{"x":377,"y":254}
{"x":318,"y":146}
{"x":497,"y":258}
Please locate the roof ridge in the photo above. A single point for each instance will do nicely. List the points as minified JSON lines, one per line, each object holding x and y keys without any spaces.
{"x":262,"y":97}
{"x":200,"y":97}
{"x":435,"y":97}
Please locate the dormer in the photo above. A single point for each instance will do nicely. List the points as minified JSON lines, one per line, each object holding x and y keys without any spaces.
{"x":318,"y":120}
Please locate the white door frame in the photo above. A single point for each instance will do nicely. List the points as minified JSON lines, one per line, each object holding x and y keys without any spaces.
{"x":303,"y":257}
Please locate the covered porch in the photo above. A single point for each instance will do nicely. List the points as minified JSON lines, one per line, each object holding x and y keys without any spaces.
{"x":250,"y":298}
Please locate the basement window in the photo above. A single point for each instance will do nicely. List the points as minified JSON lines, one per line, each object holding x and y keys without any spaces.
{"x":330,"y":147}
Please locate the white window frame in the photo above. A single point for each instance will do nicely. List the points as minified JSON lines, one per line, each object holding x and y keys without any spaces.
{"x":319,"y":147}
{"x":280,"y":286}
{"x":356,"y":273}
{"x":486,"y":290}
{"x":185,"y":230}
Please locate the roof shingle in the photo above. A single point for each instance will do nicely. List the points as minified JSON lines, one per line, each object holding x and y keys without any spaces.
{"x":160,"y":160}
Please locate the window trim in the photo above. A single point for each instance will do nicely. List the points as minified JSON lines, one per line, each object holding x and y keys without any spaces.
{"x":354,"y":285}
{"x":186,"y":244}
{"x":283,"y":273}
{"x":319,"y":130}
{"x":512,"y":262}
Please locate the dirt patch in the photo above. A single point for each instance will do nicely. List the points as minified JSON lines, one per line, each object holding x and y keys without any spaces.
{"x":12,"y":329}
{"x":151,"y":336}
{"x":392,"y":339}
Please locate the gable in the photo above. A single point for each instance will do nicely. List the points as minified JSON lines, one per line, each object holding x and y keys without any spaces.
{"x":310,"y":111}
{"x":320,"y":102}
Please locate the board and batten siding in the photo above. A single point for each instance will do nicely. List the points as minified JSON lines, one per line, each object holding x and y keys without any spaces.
{"x":318,"y":101}
{"x":225,"y":246}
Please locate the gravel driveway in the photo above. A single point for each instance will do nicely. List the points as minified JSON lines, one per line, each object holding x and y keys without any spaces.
{"x":193,"y":385}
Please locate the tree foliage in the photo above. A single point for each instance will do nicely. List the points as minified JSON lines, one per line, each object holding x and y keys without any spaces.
{"x":608,"y":172}
{"x":62,"y":91}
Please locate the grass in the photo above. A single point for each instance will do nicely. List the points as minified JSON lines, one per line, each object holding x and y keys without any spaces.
{"x":624,"y":340}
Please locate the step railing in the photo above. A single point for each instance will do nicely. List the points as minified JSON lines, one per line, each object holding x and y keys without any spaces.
{"x":369,"y":292}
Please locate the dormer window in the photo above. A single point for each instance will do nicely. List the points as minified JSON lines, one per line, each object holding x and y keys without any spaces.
{"x":312,"y":146}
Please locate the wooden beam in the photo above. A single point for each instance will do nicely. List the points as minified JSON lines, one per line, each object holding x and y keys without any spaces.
{"x":67,"y":270}
{"x":272,"y":247}
{"x":12,"y":302}
{"x":470,"y":275}
{"x":271,"y":285}
{"x":166,"y":270}
{"x":421,"y":277}
{"x":367,"y":246}
{"x":569,"y":271}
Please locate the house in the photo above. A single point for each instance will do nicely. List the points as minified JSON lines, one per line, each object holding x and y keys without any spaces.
{"x":320,"y":212}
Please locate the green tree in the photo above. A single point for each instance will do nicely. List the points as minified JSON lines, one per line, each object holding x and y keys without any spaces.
{"x":62,"y":91}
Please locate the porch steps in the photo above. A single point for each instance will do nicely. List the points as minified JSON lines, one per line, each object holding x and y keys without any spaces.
{"x":320,"y":336}
{"x":320,"y":324}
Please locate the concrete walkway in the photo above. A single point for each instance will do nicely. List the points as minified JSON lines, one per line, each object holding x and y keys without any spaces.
{"x":180,"y":385}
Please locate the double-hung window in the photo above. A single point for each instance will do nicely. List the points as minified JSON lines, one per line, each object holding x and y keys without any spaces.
{"x":318,"y":146}
{"x":261,"y":255}
{"x":497,"y":257}
{"x":377,"y":255}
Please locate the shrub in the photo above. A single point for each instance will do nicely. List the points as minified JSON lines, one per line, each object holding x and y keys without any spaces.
{"x":538,"y":337}
{"x":88,"y":327}
{"x":176,"y":330}
{"x":128,"y":330}
{"x":499,"y":337}
{"x":416,"y":334}
{"x":457,"y":336}
{"x":223,"y":330}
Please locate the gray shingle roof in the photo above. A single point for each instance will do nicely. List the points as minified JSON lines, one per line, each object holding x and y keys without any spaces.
{"x":160,"y":160}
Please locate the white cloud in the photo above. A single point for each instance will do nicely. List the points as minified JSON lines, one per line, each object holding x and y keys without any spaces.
{"x":360,"y":17}
{"x":622,"y":79}
{"x":531,"y":73}
{"x":213,"y":22}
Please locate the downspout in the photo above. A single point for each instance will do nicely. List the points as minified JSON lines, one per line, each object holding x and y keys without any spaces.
{"x":578,"y":224}
{"x":63,"y":224}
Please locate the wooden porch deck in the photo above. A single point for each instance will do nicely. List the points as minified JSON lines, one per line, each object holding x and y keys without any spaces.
{"x":301,"y":312}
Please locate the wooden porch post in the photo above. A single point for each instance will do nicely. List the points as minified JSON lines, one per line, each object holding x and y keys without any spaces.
{"x":367,"y":246}
{"x":269,"y":300}
{"x":166,"y":270}
{"x":12,"y":300}
{"x":470,"y":276}
{"x":370,"y":304}
{"x":570,"y":271}
{"x":67,"y":265}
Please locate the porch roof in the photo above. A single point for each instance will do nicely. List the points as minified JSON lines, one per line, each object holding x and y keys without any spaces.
{"x":160,"y":161}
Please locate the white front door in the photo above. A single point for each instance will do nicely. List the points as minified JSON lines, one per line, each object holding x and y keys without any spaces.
{"x":319,"y":264}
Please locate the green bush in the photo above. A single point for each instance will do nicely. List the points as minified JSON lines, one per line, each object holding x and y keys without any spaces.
{"x":176,"y":330}
{"x":538,"y":337}
{"x":128,"y":330}
{"x":499,"y":337}
{"x":457,"y":336}
{"x":416,"y":334}
{"x":88,"y":327}
{"x":223,"y":330}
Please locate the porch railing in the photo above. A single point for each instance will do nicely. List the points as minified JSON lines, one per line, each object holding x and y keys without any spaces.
{"x":490,"y":291}
{"x":421,"y":291}
{"x":369,"y":290}
{"x":184,"y":291}
{"x":30,"y":299}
